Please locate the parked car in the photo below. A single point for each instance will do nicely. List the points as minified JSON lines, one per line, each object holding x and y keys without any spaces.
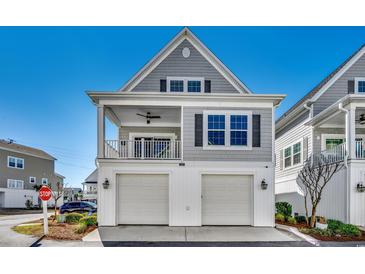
{"x":78,"y":207}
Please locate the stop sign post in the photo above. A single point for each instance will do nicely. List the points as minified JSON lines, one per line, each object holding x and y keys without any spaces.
{"x":45,"y":194}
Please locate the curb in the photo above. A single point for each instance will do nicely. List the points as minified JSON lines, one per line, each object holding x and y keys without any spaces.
{"x":36,"y":243}
{"x":296,"y":232}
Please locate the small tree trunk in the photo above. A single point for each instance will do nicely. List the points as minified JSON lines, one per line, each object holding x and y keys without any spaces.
{"x":313,"y":217}
{"x":306,"y":210}
{"x":55,"y":210}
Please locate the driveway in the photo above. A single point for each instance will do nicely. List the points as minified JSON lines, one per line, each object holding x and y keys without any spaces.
{"x":197,"y":236}
{"x":10,"y":238}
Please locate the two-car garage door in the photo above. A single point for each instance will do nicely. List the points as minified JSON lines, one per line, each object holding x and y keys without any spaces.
{"x":144,"y":199}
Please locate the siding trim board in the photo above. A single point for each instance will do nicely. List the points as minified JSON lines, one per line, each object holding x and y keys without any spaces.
{"x":185,"y":34}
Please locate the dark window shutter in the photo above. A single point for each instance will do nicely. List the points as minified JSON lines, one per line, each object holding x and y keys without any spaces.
{"x":256,"y":130}
{"x":305,"y":148}
{"x":281,"y":159}
{"x":207,"y":86}
{"x":198,"y":130}
{"x":162,"y":85}
{"x":351,"y":86}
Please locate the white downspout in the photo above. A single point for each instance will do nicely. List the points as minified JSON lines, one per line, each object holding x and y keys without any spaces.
{"x":342,"y":109}
{"x":310,"y":108}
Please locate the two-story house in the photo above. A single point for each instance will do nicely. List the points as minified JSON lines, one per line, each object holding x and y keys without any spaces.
{"x":90,"y":188}
{"x":21,"y":168}
{"x":195,"y":145}
{"x":329,"y":121}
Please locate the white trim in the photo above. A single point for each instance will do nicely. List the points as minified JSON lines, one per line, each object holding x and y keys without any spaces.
{"x":17,"y":181}
{"x":154,"y":124}
{"x":16,"y":159}
{"x":357,"y":79}
{"x":227,"y":141}
{"x":133,"y":135}
{"x":30,"y":180}
{"x":325,"y":136}
{"x":185,"y":33}
{"x":185,"y":82}
{"x":292,"y":154}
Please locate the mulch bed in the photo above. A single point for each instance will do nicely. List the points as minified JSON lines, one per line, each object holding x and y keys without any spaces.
{"x":325,"y":238}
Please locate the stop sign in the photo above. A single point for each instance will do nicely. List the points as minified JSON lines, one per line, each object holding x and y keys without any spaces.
{"x":45,"y":193}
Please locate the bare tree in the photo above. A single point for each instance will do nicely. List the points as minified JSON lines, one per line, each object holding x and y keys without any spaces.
{"x":57,"y":193}
{"x":316,"y":173}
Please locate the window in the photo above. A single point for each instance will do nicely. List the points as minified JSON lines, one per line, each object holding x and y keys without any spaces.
{"x":185,"y":84}
{"x":333,"y":142}
{"x":176,"y":85}
{"x":227,"y":130}
{"x":14,"y":162}
{"x":16,"y":184}
{"x":359,"y":84}
{"x":216,"y":129}
{"x":238,"y":130}
{"x":293,"y":155}
{"x":44,"y":181}
{"x":194,"y":86}
{"x":32,"y":180}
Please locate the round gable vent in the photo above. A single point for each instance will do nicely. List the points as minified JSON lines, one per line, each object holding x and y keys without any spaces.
{"x":186,"y":52}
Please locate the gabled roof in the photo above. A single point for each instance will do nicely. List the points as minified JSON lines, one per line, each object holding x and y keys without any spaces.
{"x":11,"y":146}
{"x":92,"y":178}
{"x":319,"y":89}
{"x":185,"y":33}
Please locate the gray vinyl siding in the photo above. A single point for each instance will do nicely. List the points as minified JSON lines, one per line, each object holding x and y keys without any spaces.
{"x":192,"y":153}
{"x":339,"y":88}
{"x":293,"y":123}
{"x":33,"y":166}
{"x":295,"y":134}
{"x":194,"y":66}
{"x":124,"y":131}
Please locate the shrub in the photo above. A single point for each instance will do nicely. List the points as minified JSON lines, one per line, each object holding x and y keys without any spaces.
{"x":81,"y":228}
{"x":349,"y":230}
{"x":300,"y":219}
{"x":334,"y":225}
{"x":292,"y":220}
{"x":283,"y":208}
{"x":28,"y":204}
{"x":73,"y":217}
{"x":279,"y":217}
{"x":89,"y":220}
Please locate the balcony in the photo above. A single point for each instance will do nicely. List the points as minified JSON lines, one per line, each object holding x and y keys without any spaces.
{"x":143,"y":149}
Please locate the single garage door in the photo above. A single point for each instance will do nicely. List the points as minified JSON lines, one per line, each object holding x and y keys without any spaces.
{"x":226,"y":200}
{"x":143,"y":199}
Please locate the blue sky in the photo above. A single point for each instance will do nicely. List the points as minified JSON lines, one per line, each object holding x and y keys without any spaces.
{"x":45,"y":71}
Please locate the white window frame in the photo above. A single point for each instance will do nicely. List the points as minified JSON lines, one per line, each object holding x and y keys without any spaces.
{"x":17,"y":181}
{"x":46,"y":179}
{"x":185,"y":80}
{"x":30,"y":180}
{"x":16,"y":159}
{"x":227,"y":135}
{"x":326,"y":136}
{"x":357,"y":79}
{"x":291,"y":146}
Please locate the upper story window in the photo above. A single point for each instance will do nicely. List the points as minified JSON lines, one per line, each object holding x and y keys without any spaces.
{"x":14,"y":162}
{"x":227,"y":130}
{"x":360,"y":85}
{"x":293,"y":155}
{"x":185,"y":84}
{"x":32,"y":180}
{"x":44,"y":181}
{"x":17,"y":184}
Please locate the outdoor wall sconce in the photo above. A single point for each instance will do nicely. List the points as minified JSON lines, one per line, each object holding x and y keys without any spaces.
{"x":106,"y":183}
{"x":360,"y":187}
{"x":263,"y":184}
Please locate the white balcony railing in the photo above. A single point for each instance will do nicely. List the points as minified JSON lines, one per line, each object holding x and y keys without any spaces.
{"x":143,"y":149}
{"x":360,"y":149}
{"x":333,"y":155}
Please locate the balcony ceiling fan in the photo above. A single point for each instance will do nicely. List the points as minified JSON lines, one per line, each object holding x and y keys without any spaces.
{"x":148,"y":116}
{"x":361,"y":119}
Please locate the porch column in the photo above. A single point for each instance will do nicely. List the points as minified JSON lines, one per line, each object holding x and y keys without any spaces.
{"x":100,"y":130}
{"x":350,"y":133}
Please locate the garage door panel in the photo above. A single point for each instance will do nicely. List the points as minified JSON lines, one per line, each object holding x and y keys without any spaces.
{"x":226,"y":200}
{"x":143,"y":199}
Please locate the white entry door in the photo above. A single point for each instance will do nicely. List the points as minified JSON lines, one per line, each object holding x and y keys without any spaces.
{"x":226,"y":200}
{"x":143,"y":199}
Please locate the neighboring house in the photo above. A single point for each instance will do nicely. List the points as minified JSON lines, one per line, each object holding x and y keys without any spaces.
{"x":21,"y":168}
{"x":329,"y":121}
{"x":90,"y":188}
{"x":195,"y":145}
{"x":72,"y":194}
